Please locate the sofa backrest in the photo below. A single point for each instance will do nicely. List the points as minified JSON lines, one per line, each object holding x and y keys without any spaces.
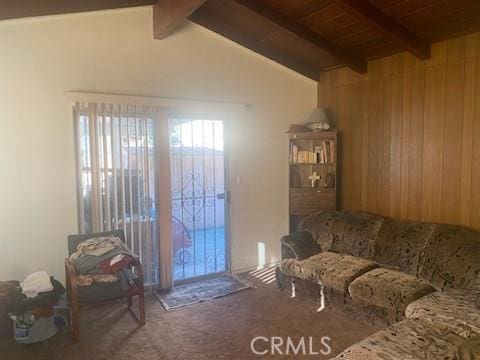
{"x":319,"y":225}
{"x":445,"y":256}
{"x":399,"y":244}
{"x":451,"y":258}
{"x":352,"y":233}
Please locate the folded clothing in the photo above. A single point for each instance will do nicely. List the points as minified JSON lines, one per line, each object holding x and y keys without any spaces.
{"x":86,"y":280}
{"x":20,"y":303}
{"x":33,"y":316}
{"x":36,"y":283}
{"x":104,"y":260}
{"x":87,"y":264}
{"x":98,"y":246}
{"x":115,"y":264}
{"x":90,"y":264}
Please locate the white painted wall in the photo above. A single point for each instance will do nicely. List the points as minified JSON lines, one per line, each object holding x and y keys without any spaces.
{"x":114,"y":52}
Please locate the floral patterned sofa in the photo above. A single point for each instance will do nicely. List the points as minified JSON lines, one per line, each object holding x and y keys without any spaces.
{"x":420,"y":279}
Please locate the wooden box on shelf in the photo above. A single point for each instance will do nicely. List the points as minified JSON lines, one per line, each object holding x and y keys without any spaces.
{"x":313,"y":175}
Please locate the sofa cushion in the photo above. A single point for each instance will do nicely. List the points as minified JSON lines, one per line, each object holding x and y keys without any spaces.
{"x":450,"y":258}
{"x":355,"y":233}
{"x":388,"y":288}
{"x":405,"y":340}
{"x":454,"y":310}
{"x":319,"y":226}
{"x":331,"y":269}
{"x":399,"y":243}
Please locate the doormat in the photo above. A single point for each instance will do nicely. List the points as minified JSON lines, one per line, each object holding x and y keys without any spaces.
{"x":198,"y":291}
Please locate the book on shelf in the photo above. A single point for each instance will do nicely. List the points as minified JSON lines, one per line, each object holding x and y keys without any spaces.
{"x":305,"y":157}
{"x":322,"y":154}
{"x":325,"y":152}
{"x":326,"y":146}
{"x":293,"y":153}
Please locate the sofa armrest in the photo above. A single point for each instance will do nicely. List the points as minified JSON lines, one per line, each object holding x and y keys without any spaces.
{"x":299,"y":245}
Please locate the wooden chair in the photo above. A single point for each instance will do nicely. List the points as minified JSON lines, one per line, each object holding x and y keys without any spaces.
{"x":99,"y":292}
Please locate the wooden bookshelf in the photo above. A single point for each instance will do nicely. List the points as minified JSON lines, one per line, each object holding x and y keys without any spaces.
{"x":310,"y":154}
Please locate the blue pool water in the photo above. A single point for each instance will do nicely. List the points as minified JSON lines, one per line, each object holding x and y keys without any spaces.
{"x":206,"y":255}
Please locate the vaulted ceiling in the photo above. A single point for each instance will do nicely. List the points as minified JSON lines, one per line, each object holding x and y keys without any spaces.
{"x":308,"y":36}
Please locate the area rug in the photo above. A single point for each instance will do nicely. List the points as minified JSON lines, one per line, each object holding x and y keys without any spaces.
{"x":202,"y":290}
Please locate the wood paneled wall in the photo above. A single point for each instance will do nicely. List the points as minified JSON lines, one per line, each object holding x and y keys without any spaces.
{"x":410,"y":134}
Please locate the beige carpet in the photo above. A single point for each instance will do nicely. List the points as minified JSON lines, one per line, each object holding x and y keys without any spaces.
{"x":218,"y":329}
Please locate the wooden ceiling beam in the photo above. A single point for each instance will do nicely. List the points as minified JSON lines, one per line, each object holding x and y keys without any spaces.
{"x":343,"y":57}
{"x":168,"y":15}
{"x":396,"y":32}
{"x":221,"y":26}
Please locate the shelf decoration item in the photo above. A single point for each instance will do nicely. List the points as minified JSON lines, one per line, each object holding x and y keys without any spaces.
{"x":319,"y":121}
{"x":313,"y":173}
{"x":314,"y":178}
{"x":329,"y":181}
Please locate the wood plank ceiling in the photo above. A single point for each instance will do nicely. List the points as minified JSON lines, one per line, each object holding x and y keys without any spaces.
{"x":308,"y":36}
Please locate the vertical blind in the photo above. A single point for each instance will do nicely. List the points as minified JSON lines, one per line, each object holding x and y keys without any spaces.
{"x":116,"y":175}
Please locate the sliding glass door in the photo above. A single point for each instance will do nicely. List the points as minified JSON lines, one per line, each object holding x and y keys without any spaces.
{"x":162,"y":180}
{"x":199,"y":197}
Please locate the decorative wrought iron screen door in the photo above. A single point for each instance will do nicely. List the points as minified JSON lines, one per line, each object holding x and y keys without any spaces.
{"x":199,"y":197}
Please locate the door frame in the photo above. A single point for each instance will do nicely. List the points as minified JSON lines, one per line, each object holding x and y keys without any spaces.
{"x":224,"y":110}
